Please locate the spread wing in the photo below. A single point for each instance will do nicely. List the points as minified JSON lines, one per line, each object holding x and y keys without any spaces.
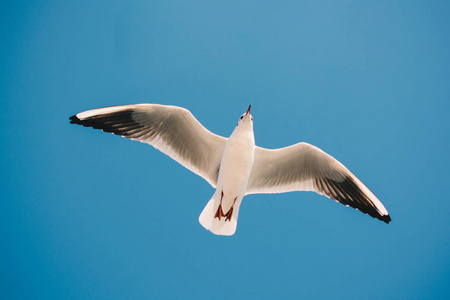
{"x":303,"y":167}
{"x":172,"y":130}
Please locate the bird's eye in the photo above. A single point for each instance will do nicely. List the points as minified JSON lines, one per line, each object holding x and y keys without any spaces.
{"x":242,"y":117}
{"x":252,"y":118}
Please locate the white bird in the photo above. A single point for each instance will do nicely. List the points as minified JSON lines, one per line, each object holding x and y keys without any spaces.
{"x":234,"y":166}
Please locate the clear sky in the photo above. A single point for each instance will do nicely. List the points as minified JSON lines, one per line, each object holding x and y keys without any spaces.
{"x":89,"y":215}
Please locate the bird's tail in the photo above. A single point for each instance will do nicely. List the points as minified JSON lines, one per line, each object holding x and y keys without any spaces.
{"x":222,"y":226}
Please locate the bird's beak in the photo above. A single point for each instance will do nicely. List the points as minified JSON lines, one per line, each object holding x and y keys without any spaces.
{"x":248,"y":111}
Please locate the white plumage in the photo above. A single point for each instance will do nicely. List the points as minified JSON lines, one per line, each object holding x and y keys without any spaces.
{"x":234,"y":166}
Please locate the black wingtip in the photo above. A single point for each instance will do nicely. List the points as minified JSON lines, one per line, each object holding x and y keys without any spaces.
{"x":386,"y":219}
{"x":74,"y":120}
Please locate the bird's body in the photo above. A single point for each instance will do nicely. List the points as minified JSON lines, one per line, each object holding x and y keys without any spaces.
{"x":234,"y":173}
{"x":237,"y":161}
{"x":234,"y":166}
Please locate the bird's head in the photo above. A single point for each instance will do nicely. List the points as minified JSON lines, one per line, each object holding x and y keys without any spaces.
{"x":245,"y":124}
{"x":246,"y":118}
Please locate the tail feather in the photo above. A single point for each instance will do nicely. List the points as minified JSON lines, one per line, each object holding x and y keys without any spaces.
{"x":216,"y":226}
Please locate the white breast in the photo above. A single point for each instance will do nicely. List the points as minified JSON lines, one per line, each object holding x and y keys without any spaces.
{"x":236,"y":164}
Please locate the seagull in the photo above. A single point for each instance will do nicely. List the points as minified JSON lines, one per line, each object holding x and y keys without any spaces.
{"x":234,"y":166}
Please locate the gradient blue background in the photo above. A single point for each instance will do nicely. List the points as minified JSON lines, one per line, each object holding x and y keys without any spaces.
{"x":89,"y":215}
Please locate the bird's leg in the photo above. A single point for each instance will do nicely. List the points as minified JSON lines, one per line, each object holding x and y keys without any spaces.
{"x":219,"y":212}
{"x":229,"y":214}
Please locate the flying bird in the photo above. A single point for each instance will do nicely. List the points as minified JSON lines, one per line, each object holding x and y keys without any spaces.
{"x":234,"y":166}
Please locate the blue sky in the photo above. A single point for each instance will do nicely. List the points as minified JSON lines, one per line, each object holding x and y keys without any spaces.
{"x":89,"y":215}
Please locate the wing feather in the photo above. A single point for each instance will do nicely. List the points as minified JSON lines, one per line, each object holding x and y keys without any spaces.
{"x":303,"y":167}
{"x":172,"y":130}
